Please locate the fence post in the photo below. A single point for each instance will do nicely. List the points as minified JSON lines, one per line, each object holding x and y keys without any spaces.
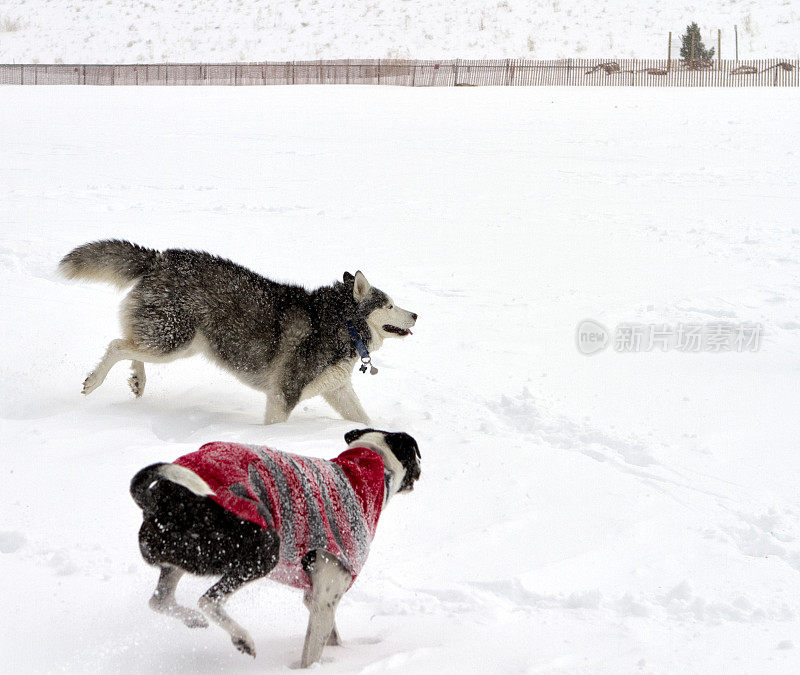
{"x":669,"y":50}
{"x":736,"y":33}
{"x":379,"y":71}
{"x":719,"y":48}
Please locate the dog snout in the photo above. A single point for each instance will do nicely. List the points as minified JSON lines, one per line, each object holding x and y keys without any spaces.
{"x":414,"y":316}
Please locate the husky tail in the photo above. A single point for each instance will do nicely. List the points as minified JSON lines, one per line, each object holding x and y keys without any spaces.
{"x":144,"y":481}
{"x":113,"y":261}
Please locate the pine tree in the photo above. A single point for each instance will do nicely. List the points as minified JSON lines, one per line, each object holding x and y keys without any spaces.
{"x":701,"y":54}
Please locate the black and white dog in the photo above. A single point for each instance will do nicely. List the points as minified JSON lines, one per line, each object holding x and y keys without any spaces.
{"x":281,"y":339}
{"x":245,"y":512}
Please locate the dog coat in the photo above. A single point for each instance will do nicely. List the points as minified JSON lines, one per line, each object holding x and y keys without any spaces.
{"x":312,"y":503}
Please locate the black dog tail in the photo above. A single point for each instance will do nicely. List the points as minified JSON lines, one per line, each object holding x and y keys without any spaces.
{"x":112,"y":261}
{"x":146,"y":479}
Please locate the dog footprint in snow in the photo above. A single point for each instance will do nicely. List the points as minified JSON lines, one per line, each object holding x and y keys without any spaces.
{"x":12,"y":541}
{"x":62,"y":564}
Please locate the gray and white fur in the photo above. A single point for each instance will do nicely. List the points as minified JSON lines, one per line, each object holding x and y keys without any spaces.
{"x":281,"y":339}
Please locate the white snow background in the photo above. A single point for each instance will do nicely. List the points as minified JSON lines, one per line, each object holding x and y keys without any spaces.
{"x":130,"y":31}
{"x":612,"y":513}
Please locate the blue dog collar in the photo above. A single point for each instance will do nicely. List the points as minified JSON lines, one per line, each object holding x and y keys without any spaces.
{"x":361,"y":348}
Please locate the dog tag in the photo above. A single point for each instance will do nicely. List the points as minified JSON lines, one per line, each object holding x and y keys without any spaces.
{"x":373,"y":370}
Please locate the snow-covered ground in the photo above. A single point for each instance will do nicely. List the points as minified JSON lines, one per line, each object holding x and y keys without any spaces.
{"x":128,"y":31}
{"x":607,"y":513}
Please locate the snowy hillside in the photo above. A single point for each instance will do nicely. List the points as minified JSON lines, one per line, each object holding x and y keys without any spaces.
{"x":620,"y":512}
{"x":128,"y":31}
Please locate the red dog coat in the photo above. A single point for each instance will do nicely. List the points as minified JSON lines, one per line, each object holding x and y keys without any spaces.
{"x":312,"y":503}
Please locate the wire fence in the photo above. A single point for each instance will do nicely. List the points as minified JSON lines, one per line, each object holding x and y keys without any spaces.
{"x":458,"y":73}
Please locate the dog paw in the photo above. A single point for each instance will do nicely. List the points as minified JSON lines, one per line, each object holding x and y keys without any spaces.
{"x":90,"y":384}
{"x":136,"y":385}
{"x":244,"y":644}
{"x":195,"y":620}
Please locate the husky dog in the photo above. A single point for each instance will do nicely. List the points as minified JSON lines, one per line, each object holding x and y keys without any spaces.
{"x":245,"y":512}
{"x":281,"y":339}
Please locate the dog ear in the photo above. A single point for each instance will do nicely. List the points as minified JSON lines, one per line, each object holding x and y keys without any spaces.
{"x":355,"y":434}
{"x":404,"y":447}
{"x":406,"y":450}
{"x":407,"y":445}
{"x":361,"y":287}
{"x":348,"y":278}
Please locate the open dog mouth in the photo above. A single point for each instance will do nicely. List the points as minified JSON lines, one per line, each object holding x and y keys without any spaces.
{"x":389,"y":328}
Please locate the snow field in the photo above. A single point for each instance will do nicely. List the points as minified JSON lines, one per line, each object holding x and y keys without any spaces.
{"x":612,"y":513}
